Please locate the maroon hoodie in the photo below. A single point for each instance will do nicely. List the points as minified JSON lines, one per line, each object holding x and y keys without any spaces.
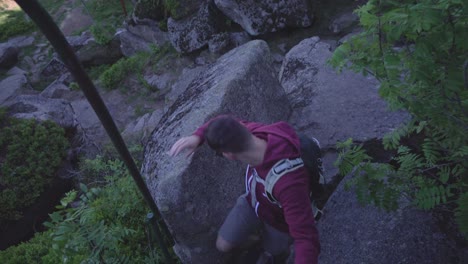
{"x":292,"y":190}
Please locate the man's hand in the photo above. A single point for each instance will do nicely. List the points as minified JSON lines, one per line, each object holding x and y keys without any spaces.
{"x":189,"y":143}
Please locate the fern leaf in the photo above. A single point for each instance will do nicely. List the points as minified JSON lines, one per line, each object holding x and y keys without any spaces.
{"x":430,"y":151}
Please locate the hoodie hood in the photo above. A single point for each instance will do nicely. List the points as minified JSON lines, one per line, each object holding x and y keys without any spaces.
{"x":282,"y":141}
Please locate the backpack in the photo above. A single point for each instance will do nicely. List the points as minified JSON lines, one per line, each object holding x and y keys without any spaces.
{"x":311,"y":159}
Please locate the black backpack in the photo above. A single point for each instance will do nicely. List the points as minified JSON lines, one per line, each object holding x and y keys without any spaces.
{"x":311,"y":159}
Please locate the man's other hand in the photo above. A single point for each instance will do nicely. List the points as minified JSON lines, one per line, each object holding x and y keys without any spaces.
{"x":189,"y":143}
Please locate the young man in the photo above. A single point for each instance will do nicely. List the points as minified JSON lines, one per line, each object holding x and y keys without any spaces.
{"x":261,"y":147}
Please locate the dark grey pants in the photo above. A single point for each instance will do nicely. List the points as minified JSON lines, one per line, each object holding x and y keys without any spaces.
{"x":242,"y":222}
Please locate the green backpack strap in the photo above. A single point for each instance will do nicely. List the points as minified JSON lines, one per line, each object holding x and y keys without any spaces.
{"x":277,"y":171}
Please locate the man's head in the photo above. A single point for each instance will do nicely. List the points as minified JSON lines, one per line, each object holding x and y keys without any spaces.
{"x":226,"y":135}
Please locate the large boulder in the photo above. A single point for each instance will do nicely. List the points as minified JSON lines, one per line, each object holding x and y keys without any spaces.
{"x":77,"y":42}
{"x":141,"y":128}
{"x":193,"y":32}
{"x":130,"y":44}
{"x":53,"y":69}
{"x":329,"y":105}
{"x":196,"y":193}
{"x":352,"y":233}
{"x":264,"y":16}
{"x":150,"y":32}
{"x":140,"y":38}
{"x":41,"y":108}
{"x":95,"y":54}
{"x":12,"y":86}
{"x":8,"y":56}
{"x":21,"y":41}
{"x":223,"y":42}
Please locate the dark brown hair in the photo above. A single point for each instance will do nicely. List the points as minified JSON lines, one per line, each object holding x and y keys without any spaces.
{"x":226,"y":134}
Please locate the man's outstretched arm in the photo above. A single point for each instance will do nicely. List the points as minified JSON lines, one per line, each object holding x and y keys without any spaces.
{"x":189,"y":143}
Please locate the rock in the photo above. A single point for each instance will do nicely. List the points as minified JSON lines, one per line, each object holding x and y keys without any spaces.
{"x":202,"y":188}
{"x":21,"y":41}
{"x":94,"y":54}
{"x":141,"y":38}
{"x":130,"y":44}
{"x":351,"y":233}
{"x":150,"y":33}
{"x":348,"y":36}
{"x":343,"y":22}
{"x":143,"y":126}
{"x":331,"y":106}
{"x":160,"y":82}
{"x":8,"y":56}
{"x":182,"y":83}
{"x":12,"y":86}
{"x":223,"y":42}
{"x":75,"y":20}
{"x":15,"y":71}
{"x":40,"y":108}
{"x":77,"y":42}
{"x":53,"y":69}
{"x":86,"y":117}
{"x":194,"y":32}
{"x":55,"y":90}
{"x":263,"y":16}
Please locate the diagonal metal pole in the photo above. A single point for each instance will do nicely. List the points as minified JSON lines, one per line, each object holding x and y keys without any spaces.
{"x":48,"y":27}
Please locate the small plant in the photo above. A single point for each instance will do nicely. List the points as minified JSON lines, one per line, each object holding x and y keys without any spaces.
{"x":103,"y":34}
{"x":74,"y":86}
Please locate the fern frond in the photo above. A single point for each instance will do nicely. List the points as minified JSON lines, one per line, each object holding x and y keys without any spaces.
{"x":431,"y":151}
{"x":429,"y":197}
{"x":392,"y":140}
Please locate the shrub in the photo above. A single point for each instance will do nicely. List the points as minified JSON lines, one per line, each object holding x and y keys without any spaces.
{"x":418,"y":52}
{"x":102,"y":33}
{"x":105,"y":224}
{"x":30,"y":153}
{"x":36,"y":250}
{"x":112,"y":77}
{"x":108,"y":225}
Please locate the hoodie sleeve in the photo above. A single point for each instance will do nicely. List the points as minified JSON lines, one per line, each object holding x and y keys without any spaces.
{"x":294,"y":199}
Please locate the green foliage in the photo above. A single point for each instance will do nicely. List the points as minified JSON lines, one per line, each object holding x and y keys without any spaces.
{"x":113,"y":76}
{"x":74,"y":86}
{"x":417,"y":50}
{"x":118,"y":72}
{"x":13,"y":23}
{"x":103,"y":224}
{"x":108,"y":225}
{"x":102,"y":33}
{"x":171,"y":6}
{"x":31,"y":153}
{"x":374,"y":184}
{"x":36,"y":250}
